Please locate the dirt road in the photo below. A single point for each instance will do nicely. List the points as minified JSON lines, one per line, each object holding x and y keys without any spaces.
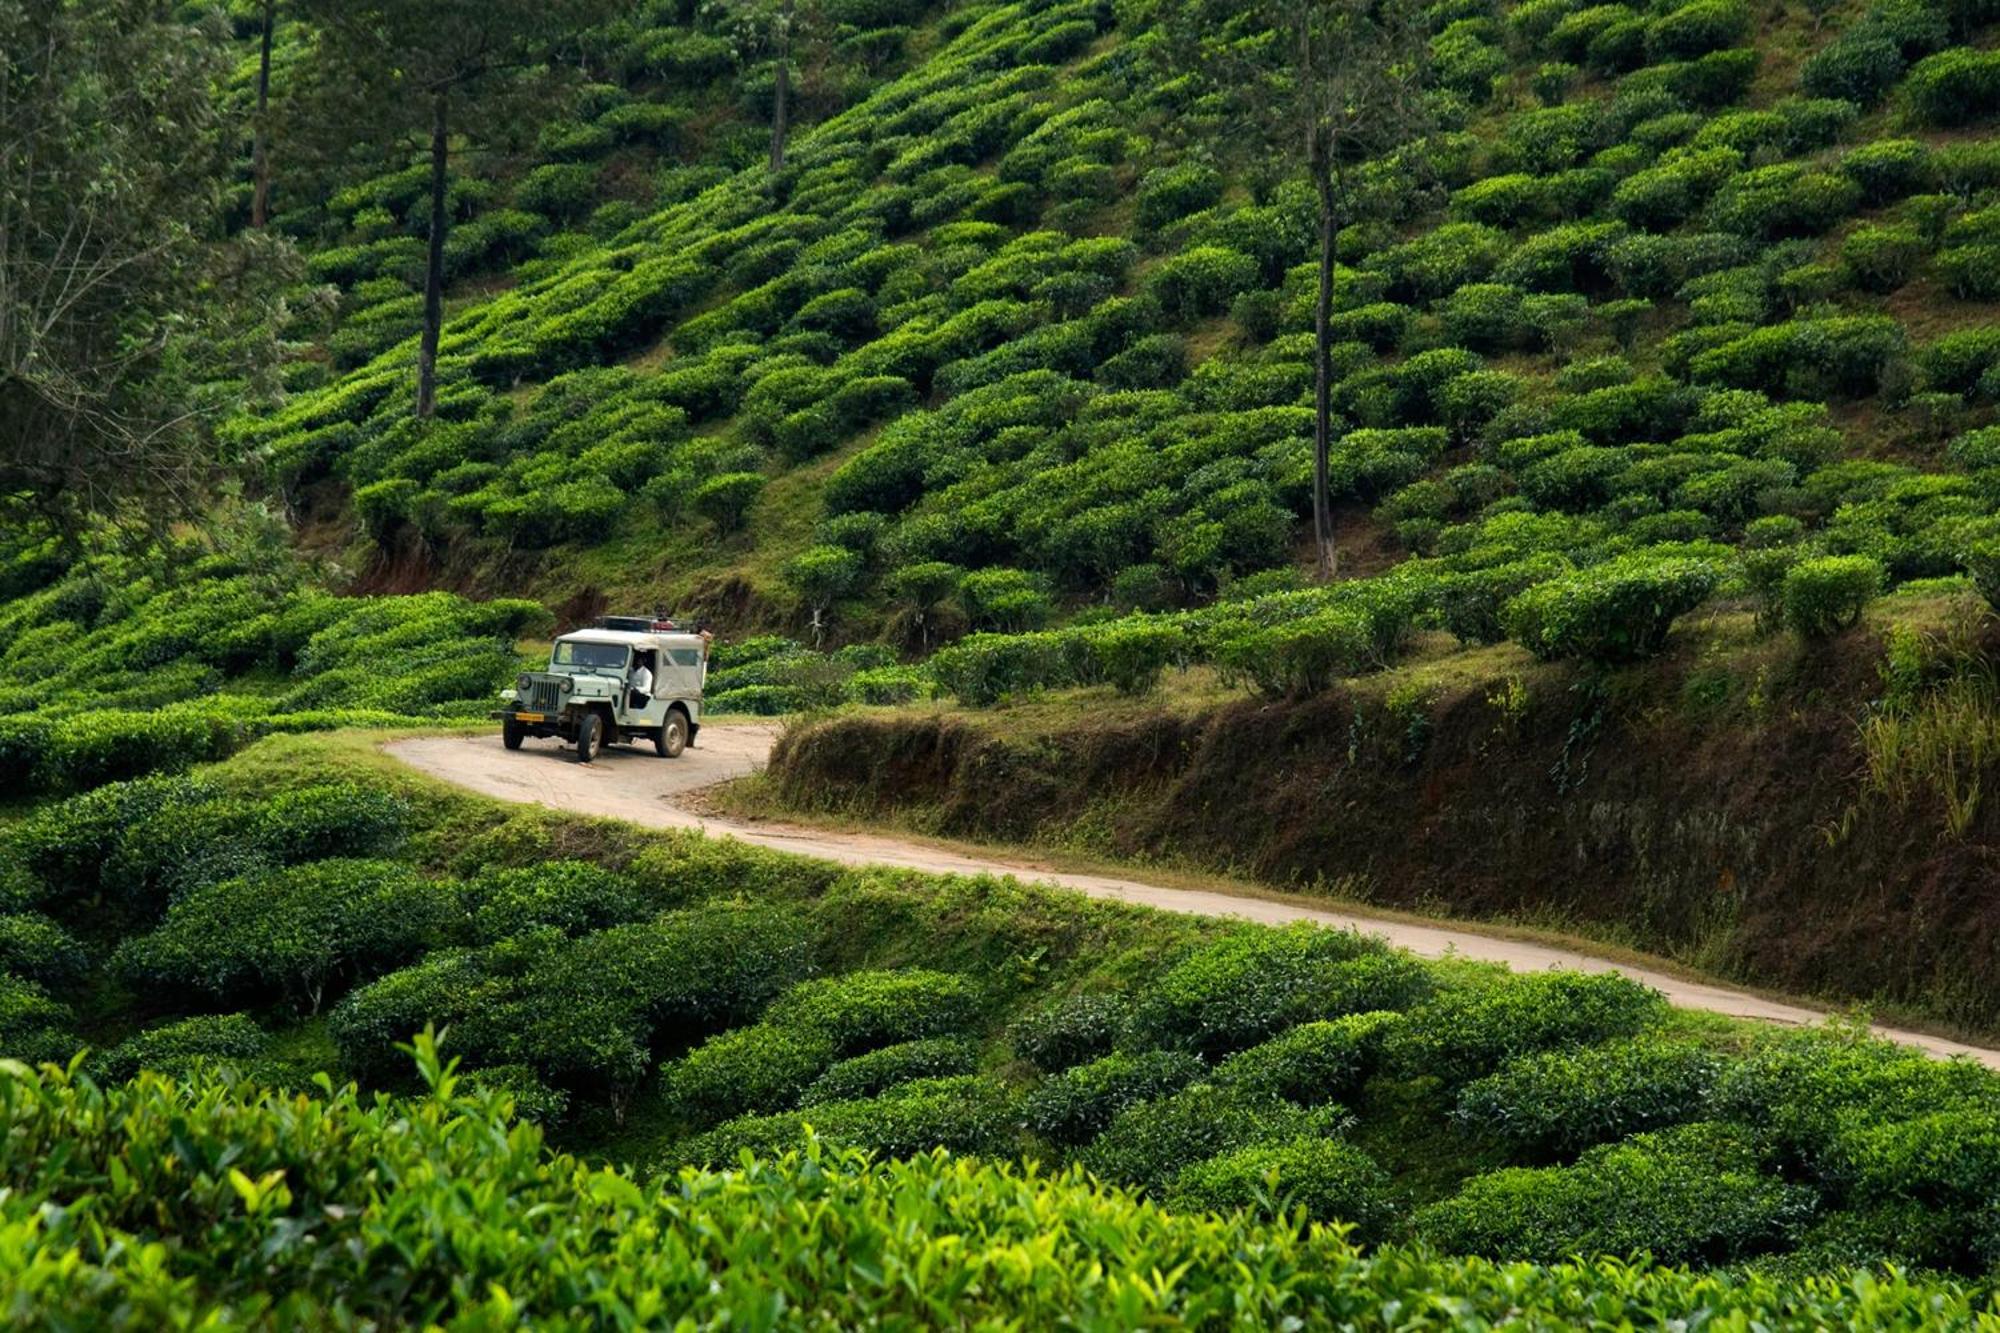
{"x":638,"y":786}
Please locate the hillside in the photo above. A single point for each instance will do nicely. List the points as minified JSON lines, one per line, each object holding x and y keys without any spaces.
{"x":1686,"y":281}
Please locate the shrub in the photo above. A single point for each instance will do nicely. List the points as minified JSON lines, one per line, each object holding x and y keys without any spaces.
{"x":1131,"y":656}
{"x":1325,"y":1179}
{"x":34,"y":1027}
{"x":1471,"y":605}
{"x":574,"y":897}
{"x":1069,"y":1031}
{"x":1972,"y":272}
{"x":1843,"y":355}
{"x":726,"y":499}
{"x":1301,"y":657}
{"x":336,"y":819}
{"x":1169,"y":194}
{"x":1954,"y":87}
{"x":1202,"y":282}
{"x":37,"y":949}
{"x":1784,"y":200}
{"x":1889,"y":169}
{"x":1804,"y":1089}
{"x":968,"y":1115}
{"x":1003,"y":599}
{"x":1555,"y":1104}
{"x":1694,"y":30}
{"x":1072,"y":1108}
{"x":174,"y":1048}
{"x":298,"y":932}
{"x":863,"y":1010}
{"x":1464,"y":1033}
{"x":877,"y":1072}
{"x":1244,"y":989}
{"x":1313,"y":1063}
{"x":1982,"y":561}
{"x":761,"y":1068}
{"x":1147,"y":1144}
{"x":1692,"y":1194}
{"x":1958,"y":362}
{"x":1619,"y":611}
{"x":1882,"y":259}
{"x":1859,"y":66}
{"x":1825,"y":596}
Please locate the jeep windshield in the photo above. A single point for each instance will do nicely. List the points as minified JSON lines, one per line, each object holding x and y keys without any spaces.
{"x":580,"y":655}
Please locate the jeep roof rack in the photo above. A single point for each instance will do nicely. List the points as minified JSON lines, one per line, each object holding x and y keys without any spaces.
{"x":659,"y":620}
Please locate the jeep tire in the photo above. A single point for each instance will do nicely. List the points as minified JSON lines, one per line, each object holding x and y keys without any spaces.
{"x":589,"y":737}
{"x":511,"y":733}
{"x":672,"y":736}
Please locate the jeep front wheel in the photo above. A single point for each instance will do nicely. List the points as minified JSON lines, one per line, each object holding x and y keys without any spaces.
{"x":672,"y":737}
{"x":511,"y":733}
{"x":589,"y":738}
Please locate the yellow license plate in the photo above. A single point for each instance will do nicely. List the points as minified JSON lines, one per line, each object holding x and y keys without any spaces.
{"x":530,"y":717}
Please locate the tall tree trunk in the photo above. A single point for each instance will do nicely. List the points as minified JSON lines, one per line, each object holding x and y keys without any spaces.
{"x":260,"y":141}
{"x":427,"y":352}
{"x":781,"y":95}
{"x":1329,"y":558}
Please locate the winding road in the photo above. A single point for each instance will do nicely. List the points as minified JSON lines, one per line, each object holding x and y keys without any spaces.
{"x":637,"y":786}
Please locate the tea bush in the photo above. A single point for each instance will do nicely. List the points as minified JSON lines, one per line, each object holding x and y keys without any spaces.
{"x":1615,"y":612}
{"x":1825,"y":596}
{"x":1314,"y":1063}
{"x":1324,"y":1179}
{"x":761,"y":1068}
{"x":1067,"y":1032}
{"x":969,"y":1115}
{"x":1244,"y":989}
{"x":880,"y":1071}
{"x":573,"y":897}
{"x":863,"y":1010}
{"x":34,"y":1026}
{"x":1557,"y":1103}
{"x":1149,"y":1143}
{"x":1464,"y":1033}
{"x":1692,"y":1194}
{"x":176,"y":1048}
{"x":35,"y":948}
{"x":1073,"y":1107}
{"x":299,"y":933}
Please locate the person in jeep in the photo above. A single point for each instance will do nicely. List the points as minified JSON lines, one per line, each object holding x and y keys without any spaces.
{"x":641,"y":682}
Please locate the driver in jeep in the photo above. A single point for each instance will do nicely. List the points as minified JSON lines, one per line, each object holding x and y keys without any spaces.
{"x":641,"y":682}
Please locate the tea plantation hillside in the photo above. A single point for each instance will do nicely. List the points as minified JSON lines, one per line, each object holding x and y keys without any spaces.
{"x":674,"y":1002}
{"x":134,"y":664}
{"x":1696,"y":303}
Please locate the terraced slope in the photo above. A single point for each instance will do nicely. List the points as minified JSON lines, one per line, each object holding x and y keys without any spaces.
{"x":1000,"y":347}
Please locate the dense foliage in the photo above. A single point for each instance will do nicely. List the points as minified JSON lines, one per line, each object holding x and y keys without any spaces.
{"x":217,"y":1204}
{"x":935,"y":378}
{"x":685,"y":1001}
{"x":139,"y":664}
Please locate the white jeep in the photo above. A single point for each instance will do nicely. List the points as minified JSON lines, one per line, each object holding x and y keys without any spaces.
{"x":586,"y":696}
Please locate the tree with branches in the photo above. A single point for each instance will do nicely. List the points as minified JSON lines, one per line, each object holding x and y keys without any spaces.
{"x":423,"y":67}
{"x":1329,"y":86}
{"x":129,"y":323}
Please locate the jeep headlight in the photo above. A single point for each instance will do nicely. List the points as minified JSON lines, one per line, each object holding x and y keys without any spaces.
{"x":566,"y":684}
{"x":522,"y":683}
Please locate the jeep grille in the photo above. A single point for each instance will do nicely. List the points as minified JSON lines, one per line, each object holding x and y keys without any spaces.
{"x":541,"y":696}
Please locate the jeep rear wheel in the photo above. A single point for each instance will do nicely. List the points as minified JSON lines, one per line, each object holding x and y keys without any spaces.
{"x":511,"y":733}
{"x":672,"y":737}
{"x":589,"y":737}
